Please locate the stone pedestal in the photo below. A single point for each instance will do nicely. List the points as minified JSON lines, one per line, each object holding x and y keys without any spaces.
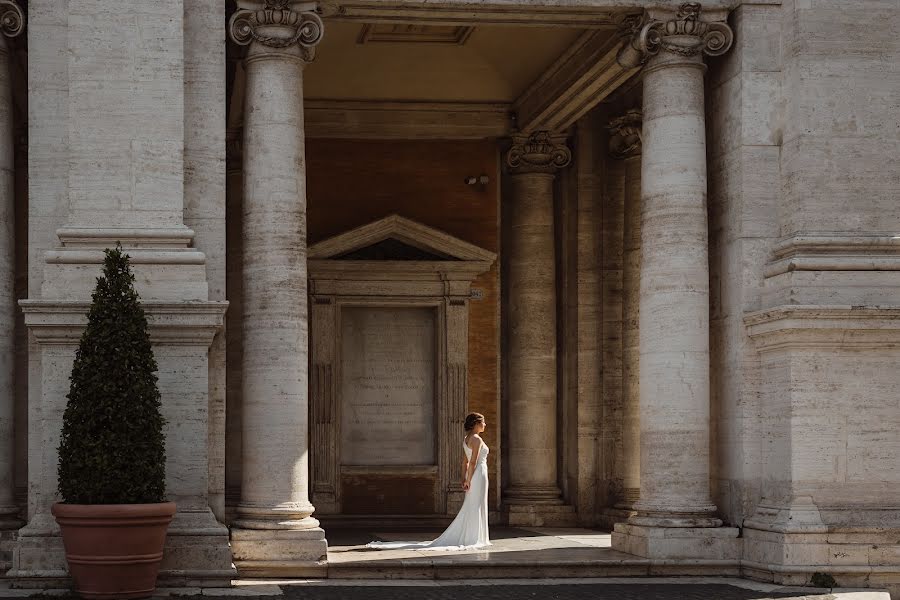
{"x":197,"y":552}
{"x":674,"y":287}
{"x":274,"y":532}
{"x":533,"y":161}
{"x":829,"y":448}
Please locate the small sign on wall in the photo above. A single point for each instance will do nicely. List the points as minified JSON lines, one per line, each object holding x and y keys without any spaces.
{"x":476,"y":294}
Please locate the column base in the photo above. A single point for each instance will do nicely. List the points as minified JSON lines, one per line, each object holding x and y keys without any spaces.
{"x":611,"y":515}
{"x":678,"y":543}
{"x":798,"y":544}
{"x":654,"y":515}
{"x":280,"y":552}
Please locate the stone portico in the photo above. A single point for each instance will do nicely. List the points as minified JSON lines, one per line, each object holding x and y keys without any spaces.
{"x":618,"y":229}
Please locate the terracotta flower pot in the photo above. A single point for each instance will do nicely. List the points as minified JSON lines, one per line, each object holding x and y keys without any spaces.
{"x":114,"y":550}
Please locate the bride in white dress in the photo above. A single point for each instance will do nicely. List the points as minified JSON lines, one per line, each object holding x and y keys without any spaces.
{"x":469,"y":530}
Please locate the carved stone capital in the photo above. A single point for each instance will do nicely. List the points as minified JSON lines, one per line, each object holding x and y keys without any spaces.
{"x":538,"y":152}
{"x":684,"y":35}
{"x":625,"y":135}
{"x":278,"y":25}
{"x":12,"y":19}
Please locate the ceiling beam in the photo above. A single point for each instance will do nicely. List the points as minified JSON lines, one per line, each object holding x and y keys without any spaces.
{"x":464,"y":13}
{"x":374,"y":119}
{"x":578,"y":81}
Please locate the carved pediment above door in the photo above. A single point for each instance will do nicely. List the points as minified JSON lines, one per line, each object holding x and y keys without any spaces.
{"x":399,"y":249}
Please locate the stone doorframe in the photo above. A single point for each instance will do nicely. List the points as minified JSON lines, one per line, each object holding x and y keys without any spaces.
{"x":443,"y":283}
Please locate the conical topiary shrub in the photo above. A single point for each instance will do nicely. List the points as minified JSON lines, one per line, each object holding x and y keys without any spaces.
{"x":112,"y":449}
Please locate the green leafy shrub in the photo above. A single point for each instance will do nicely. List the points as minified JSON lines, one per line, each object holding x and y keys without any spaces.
{"x":112,"y":449}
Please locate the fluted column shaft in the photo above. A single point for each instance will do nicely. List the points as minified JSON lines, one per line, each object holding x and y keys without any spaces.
{"x":533,"y":161}
{"x":674,"y":275}
{"x":625,"y":145}
{"x":8,"y":308}
{"x":274,"y":477}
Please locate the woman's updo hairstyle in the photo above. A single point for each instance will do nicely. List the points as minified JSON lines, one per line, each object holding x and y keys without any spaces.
{"x":472,"y":419}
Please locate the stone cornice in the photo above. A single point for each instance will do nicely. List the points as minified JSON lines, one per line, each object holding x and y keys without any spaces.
{"x":171,"y":323}
{"x":278,"y":25}
{"x":824,"y":326}
{"x":625,"y":135}
{"x":824,"y":251}
{"x":683,"y":34}
{"x":538,"y":152}
{"x":576,"y":82}
{"x":455,"y":12}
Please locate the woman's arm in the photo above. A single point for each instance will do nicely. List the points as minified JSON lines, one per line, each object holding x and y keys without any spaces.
{"x":465,"y":470}
{"x":475,"y":452}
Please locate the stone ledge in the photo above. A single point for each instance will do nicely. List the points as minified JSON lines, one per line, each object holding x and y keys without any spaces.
{"x":843,"y":326}
{"x":678,"y":543}
{"x":540,"y":515}
{"x":182,"y":323}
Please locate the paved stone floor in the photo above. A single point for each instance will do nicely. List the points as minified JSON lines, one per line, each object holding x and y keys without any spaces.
{"x":516,"y":552}
{"x":615,"y":589}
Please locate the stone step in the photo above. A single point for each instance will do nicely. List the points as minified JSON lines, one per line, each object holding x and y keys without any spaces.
{"x":457,"y":569}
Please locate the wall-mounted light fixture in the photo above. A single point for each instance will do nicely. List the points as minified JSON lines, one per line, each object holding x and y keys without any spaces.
{"x":481,"y":180}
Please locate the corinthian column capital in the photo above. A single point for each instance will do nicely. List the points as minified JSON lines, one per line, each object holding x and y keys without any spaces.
{"x":684,"y":34}
{"x":279,"y":25}
{"x":538,"y":152}
{"x":625,"y":134}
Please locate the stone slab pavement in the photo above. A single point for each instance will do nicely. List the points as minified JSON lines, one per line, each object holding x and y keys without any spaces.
{"x":682,"y":588}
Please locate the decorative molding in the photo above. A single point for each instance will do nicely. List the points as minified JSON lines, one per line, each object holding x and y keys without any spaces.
{"x":835,"y":252}
{"x":277,"y":25}
{"x":404,"y":230}
{"x":97,"y":237}
{"x":824,"y":326}
{"x":399,"y":33}
{"x":576,"y":82}
{"x":684,"y":35}
{"x":538,"y":152}
{"x":625,"y":134}
{"x":374,"y":11}
{"x":172,"y":323}
{"x":363,"y":119}
{"x":12,"y":19}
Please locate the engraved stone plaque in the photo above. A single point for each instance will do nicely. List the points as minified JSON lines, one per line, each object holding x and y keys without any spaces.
{"x":387,"y":386}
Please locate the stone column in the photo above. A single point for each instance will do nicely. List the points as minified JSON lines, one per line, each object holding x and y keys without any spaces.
{"x":674,"y":289}
{"x":12,"y":22}
{"x":625,"y":145}
{"x":275,"y":533}
{"x":533,"y":161}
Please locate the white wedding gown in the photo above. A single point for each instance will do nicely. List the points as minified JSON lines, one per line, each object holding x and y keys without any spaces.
{"x":469,"y":530}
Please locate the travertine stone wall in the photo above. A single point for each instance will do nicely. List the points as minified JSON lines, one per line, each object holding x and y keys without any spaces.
{"x":827,"y":330}
{"x":744,"y":117}
{"x":204,"y":199}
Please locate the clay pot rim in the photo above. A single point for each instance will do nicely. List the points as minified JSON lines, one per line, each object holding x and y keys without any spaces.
{"x":156,"y":509}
